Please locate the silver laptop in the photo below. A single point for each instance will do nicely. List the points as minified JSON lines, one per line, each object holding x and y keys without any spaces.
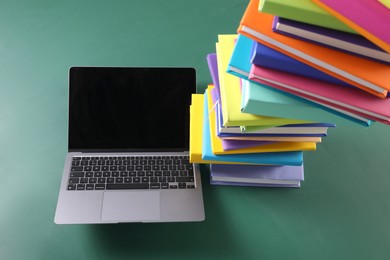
{"x":128,"y":141}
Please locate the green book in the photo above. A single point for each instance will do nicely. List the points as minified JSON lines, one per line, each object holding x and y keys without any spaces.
{"x":303,"y":11}
{"x":261,"y":99}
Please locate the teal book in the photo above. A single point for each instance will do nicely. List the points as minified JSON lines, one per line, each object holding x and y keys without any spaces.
{"x":258,"y":98}
{"x":277,"y":158}
{"x":239,"y":64}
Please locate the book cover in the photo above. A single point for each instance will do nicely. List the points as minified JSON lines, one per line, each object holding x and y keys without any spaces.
{"x":230,"y":92}
{"x":281,"y":158}
{"x":262,"y":98}
{"x":256,"y":175}
{"x":368,"y":18}
{"x":213,"y":69}
{"x":217,"y":147}
{"x":315,"y":139}
{"x":303,"y":11}
{"x":239,"y":63}
{"x":265,"y":56}
{"x":347,"y":42}
{"x":352,"y":100}
{"x":221,"y":130}
{"x":371,"y":76}
{"x":196,"y":131}
{"x":239,"y":144}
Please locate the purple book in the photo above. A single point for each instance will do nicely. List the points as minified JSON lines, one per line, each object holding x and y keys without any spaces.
{"x":213,"y":68}
{"x":234,"y":144}
{"x":256,"y":175}
{"x":346,"y":42}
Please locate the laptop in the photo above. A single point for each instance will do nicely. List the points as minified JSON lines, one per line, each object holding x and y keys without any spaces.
{"x":128,"y":139}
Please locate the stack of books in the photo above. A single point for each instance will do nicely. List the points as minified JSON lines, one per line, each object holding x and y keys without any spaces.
{"x":311,"y":45}
{"x":278,"y":86}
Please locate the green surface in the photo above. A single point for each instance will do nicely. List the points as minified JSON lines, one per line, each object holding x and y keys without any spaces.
{"x":341,"y":212}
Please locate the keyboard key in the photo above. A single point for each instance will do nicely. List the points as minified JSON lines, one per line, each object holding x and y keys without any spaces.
{"x":127,"y":186}
{"x":80,"y":186}
{"x":77,"y":174}
{"x":182,"y":185}
{"x":185,"y":179}
{"x":100,"y":186}
{"x":83,"y":180}
{"x":155,"y":185}
{"x":89,"y":187}
{"x":164,"y":185}
{"x":74,"y":180}
{"x":71,"y":186}
{"x":77,"y":169}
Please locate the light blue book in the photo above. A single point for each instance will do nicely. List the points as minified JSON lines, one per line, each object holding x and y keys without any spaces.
{"x":256,"y":175}
{"x":240,"y":64}
{"x":264,"y":100}
{"x":279,"y":158}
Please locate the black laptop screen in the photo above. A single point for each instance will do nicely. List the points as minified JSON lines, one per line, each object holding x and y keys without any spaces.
{"x":135,"y":109}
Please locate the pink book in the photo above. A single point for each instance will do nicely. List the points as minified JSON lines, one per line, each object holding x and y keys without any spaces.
{"x":368,"y":17}
{"x":348,"y":99}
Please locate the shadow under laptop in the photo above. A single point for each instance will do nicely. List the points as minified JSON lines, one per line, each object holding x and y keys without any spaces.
{"x":174,"y":239}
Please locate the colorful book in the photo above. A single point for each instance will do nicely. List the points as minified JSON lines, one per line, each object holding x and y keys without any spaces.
{"x":196,"y":132}
{"x":230,"y":92}
{"x":217,"y":147}
{"x":265,"y":56}
{"x":239,"y":63}
{"x":315,"y":129}
{"x":213,"y":69}
{"x":347,"y":99}
{"x":229,"y":145}
{"x":371,"y":76}
{"x":262,"y":98}
{"x":304,"y":11}
{"x":281,"y":158}
{"x":347,"y":42}
{"x":256,"y":175}
{"x":369,"y":18}
{"x":314,"y":139}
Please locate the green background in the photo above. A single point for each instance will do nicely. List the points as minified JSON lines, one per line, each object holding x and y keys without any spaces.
{"x":342,"y":210}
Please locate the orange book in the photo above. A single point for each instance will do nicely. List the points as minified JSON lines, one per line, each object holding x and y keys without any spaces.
{"x":370,"y":76}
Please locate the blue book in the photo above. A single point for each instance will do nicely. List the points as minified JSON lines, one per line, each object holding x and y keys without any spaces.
{"x":239,"y":64}
{"x":270,"y":58}
{"x":256,"y":175}
{"x":279,"y":158}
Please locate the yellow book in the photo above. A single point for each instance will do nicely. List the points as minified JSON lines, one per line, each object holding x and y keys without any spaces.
{"x":196,"y":131}
{"x":231,"y":94}
{"x":217,"y":147}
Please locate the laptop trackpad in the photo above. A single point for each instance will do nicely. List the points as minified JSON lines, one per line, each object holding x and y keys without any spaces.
{"x":131,"y":206}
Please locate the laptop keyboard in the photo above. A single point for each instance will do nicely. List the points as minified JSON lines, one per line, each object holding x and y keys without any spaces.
{"x":131,"y":172}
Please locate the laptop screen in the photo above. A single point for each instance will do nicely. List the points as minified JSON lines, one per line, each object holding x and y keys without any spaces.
{"x":130,"y":109}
